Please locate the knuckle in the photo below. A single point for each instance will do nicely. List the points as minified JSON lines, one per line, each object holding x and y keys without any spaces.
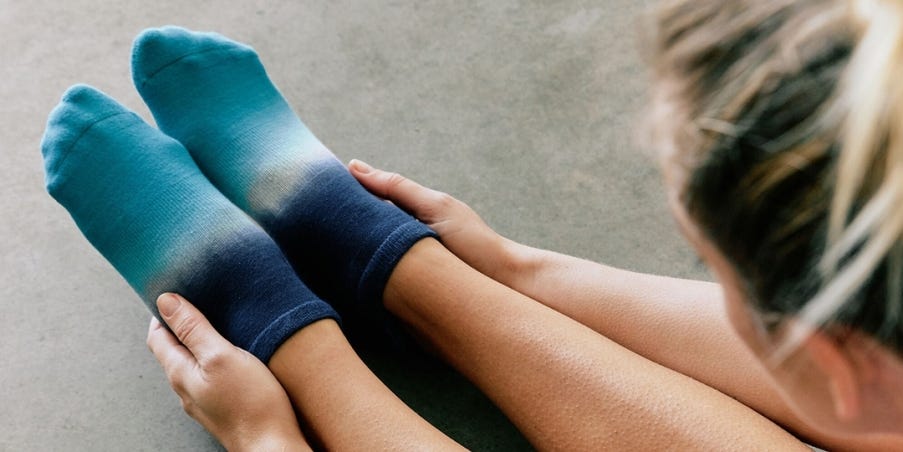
{"x":393,"y":180}
{"x":188,"y":405}
{"x":152,"y":340}
{"x":177,"y":381}
{"x":440,"y":205}
{"x":216,"y":361}
{"x":186,"y":328}
{"x":444,"y":200}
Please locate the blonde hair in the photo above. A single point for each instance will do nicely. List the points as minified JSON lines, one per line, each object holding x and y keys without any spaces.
{"x":785,"y":121}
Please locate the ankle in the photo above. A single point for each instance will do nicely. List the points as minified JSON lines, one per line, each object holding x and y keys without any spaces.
{"x":423,"y":255}
{"x":318,"y":338}
{"x":417,"y":291}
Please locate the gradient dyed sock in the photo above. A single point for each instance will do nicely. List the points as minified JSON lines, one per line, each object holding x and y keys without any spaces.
{"x":213,"y":95}
{"x":142,"y":202}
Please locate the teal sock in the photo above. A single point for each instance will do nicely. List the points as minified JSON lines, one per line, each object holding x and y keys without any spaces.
{"x":142,"y":202}
{"x":213,"y":95}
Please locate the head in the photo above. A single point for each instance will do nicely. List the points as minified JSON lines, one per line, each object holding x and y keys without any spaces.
{"x":780,"y":124}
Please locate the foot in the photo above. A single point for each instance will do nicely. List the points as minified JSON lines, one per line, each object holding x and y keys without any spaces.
{"x":214,"y":96}
{"x":141,"y":201}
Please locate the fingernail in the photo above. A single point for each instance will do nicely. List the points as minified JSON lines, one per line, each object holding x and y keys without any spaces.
{"x":168,"y":304}
{"x":361,"y":167}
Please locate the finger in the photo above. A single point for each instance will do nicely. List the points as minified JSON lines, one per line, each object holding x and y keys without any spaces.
{"x":172,"y":356}
{"x":191,"y":328}
{"x":405,"y":193}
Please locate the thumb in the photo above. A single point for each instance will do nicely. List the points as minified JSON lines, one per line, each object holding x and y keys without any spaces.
{"x":190,"y":326}
{"x":418,"y":200}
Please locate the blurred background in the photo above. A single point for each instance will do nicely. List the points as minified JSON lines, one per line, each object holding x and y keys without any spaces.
{"x":526,"y":110}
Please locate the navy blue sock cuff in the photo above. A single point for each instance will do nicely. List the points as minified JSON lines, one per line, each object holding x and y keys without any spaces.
{"x":284,"y":326}
{"x":376,"y":273}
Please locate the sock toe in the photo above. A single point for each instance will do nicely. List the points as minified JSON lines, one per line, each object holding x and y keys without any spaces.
{"x":156,"y":48}
{"x":220,"y":104}
{"x":80,"y":108}
{"x":140,"y":199}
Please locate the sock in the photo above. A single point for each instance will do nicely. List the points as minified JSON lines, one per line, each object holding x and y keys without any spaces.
{"x":213,"y":95}
{"x":141,"y":201}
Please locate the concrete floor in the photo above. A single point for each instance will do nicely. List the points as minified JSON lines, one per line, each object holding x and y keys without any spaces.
{"x":524,"y":109}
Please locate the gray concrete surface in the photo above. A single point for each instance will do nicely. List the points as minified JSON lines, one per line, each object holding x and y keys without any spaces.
{"x":524,"y":109}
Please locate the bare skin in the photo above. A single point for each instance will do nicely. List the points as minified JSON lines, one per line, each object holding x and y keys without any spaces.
{"x":238,"y":400}
{"x":678,"y":323}
{"x":226,"y":389}
{"x":564,"y":385}
{"x":342,"y":403}
{"x":681,"y":324}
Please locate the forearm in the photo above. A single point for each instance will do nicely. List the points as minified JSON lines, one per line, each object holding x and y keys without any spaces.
{"x":563,"y":385}
{"x":680,"y":324}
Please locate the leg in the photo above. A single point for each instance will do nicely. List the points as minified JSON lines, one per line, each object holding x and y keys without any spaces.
{"x":679,"y":324}
{"x":138,"y":197}
{"x":250,"y":144}
{"x":562,"y":384}
{"x":140,"y":200}
{"x":214,"y":96}
{"x":342,"y":403}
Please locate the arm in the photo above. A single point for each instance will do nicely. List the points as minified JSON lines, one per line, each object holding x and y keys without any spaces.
{"x":680,"y":324}
{"x":226,"y":389}
{"x":563,"y":385}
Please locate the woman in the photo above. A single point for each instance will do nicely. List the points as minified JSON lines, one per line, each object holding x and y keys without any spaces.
{"x":777,"y":123}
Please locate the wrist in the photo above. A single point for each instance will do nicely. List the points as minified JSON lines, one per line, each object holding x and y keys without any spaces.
{"x":518,"y":263}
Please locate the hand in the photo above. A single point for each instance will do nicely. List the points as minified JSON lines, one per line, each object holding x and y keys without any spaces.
{"x":226,"y":389}
{"x":462,"y":231}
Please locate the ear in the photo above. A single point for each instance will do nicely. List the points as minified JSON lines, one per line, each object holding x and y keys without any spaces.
{"x":830,"y":356}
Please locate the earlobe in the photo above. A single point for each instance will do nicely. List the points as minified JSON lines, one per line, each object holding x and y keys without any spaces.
{"x":831,"y":358}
